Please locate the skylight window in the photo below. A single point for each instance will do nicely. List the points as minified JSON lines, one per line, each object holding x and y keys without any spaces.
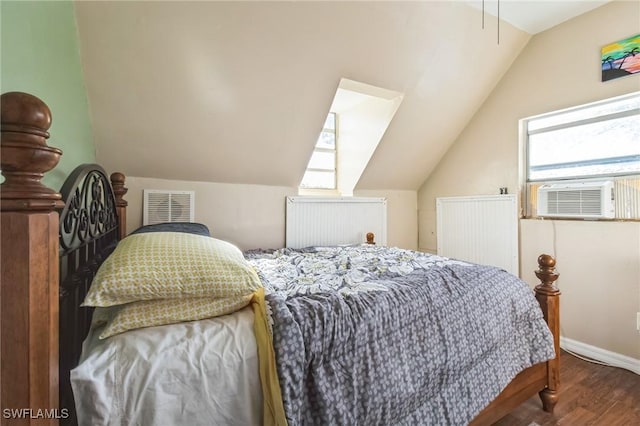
{"x":358,"y":118}
{"x":321,"y":171}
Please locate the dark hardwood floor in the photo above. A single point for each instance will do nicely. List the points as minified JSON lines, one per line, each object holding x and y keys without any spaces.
{"x":590,"y":394}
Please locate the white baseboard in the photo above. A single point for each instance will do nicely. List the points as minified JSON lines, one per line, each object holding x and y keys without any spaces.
{"x":602,"y":355}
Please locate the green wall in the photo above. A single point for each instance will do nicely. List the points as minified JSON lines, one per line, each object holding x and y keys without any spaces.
{"x":41,"y":55}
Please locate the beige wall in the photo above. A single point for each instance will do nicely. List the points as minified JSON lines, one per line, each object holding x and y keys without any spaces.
{"x":253,"y":216}
{"x":599,"y":266}
{"x":402,"y":216}
{"x":559,"y":68}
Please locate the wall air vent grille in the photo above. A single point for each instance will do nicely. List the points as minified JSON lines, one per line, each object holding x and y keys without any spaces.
{"x":168,"y":206}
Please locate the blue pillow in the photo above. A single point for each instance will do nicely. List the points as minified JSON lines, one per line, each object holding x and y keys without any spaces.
{"x":186,"y":227}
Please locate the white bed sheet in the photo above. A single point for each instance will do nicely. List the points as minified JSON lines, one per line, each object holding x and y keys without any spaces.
{"x":195,"y":373}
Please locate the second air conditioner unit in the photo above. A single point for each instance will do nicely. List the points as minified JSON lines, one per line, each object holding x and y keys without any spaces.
{"x":588,"y":200}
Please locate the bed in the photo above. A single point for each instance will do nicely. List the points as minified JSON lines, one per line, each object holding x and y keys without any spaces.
{"x":90,"y":227}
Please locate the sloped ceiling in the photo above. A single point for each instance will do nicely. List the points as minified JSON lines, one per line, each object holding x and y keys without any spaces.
{"x":238,"y":91}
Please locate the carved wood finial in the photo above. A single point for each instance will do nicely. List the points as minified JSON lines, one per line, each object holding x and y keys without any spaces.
{"x":25,"y":156}
{"x":547,"y":275}
{"x":370,"y":238}
{"x":117,"y":182}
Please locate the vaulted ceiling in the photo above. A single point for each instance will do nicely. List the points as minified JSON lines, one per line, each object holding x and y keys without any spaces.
{"x":238,"y":91}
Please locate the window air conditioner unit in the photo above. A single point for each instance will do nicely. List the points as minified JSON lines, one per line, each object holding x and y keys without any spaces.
{"x":591,"y":200}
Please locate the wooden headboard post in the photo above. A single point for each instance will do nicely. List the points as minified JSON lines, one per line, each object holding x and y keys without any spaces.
{"x":117,"y":182}
{"x":29,"y":256}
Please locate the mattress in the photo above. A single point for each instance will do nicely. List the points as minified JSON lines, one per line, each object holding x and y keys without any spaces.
{"x":193,"y":373}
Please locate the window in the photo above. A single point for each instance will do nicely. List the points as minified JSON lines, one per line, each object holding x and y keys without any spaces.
{"x":321,"y":170}
{"x":357,"y":120}
{"x":599,"y":141}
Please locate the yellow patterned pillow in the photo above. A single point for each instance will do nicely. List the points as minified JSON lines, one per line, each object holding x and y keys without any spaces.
{"x":150,"y":313}
{"x":171,"y":265}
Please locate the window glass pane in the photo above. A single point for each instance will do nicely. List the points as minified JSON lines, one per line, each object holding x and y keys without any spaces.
{"x":601,"y":148}
{"x":316,"y":179}
{"x":327,"y":140}
{"x":330,"y":123}
{"x":585,"y":113}
{"x":321,"y":170}
{"x":323,"y":160}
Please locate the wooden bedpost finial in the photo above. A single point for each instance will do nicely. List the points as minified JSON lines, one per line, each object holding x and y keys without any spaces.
{"x":548,"y":296}
{"x":25,"y":156}
{"x":370,"y":238}
{"x":547,"y":275}
{"x":117,"y":182}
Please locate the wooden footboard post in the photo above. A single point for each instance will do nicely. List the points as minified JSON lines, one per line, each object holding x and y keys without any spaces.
{"x":29,"y":255}
{"x":548,"y":296}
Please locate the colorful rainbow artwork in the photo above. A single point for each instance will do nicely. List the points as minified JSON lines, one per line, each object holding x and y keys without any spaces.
{"x":621,"y":58}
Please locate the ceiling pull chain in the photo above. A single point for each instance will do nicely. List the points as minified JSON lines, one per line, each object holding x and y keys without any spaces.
{"x":498,"y":18}
{"x":483,"y":14}
{"x":498,"y":21}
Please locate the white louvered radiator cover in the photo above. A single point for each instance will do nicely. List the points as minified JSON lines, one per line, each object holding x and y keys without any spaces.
{"x":479,"y":229}
{"x":320,"y":221}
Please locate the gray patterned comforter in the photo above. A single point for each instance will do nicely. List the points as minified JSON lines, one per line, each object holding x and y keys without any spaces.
{"x":370,"y":335}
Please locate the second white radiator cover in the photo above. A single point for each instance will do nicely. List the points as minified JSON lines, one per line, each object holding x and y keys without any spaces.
{"x":479,"y":229}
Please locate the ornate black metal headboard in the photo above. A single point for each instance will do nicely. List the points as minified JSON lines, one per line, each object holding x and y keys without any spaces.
{"x":89,"y":231}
